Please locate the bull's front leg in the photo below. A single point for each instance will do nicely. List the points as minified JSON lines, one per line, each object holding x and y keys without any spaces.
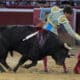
{"x":34,"y":63}
{"x":21,"y":61}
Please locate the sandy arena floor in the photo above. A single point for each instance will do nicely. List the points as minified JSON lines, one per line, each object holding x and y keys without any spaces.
{"x":37,"y":73}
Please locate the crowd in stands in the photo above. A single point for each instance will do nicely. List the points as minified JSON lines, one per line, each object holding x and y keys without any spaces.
{"x":4,"y":3}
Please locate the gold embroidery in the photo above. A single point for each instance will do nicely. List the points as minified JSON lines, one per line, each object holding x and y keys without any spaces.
{"x":62,"y":19}
{"x":54,"y":9}
{"x":52,"y":23}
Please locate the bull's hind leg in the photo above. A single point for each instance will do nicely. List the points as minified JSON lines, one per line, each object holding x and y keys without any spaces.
{"x":1,"y":69}
{"x":3,"y":56}
{"x":3,"y":62}
{"x":31,"y":65}
{"x":5,"y":65}
{"x":21,"y":61}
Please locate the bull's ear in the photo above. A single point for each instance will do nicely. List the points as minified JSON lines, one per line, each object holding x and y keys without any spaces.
{"x":66,"y":46}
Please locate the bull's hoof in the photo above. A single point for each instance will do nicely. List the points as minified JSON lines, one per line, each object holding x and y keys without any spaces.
{"x":66,"y":71}
{"x":14,"y":70}
{"x":26,"y":66}
{"x":1,"y":69}
{"x":9,"y":69}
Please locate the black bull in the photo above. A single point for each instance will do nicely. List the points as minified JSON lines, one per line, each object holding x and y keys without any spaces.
{"x":11,"y":38}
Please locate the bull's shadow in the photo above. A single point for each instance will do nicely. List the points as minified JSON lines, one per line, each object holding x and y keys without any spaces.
{"x":44,"y":43}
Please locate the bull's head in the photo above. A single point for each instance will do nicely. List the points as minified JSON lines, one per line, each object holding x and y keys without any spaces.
{"x":61,"y":55}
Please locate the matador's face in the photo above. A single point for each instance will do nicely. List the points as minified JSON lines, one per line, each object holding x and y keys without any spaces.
{"x":68,"y":15}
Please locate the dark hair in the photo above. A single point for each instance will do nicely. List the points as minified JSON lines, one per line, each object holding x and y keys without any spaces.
{"x":65,"y":2}
{"x":68,"y":9}
{"x":42,"y":2}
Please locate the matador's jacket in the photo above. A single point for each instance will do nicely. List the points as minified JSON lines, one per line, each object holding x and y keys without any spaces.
{"x":56,"y":17}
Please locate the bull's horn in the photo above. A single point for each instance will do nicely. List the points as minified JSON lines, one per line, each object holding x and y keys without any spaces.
{"x":66,"y":46}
